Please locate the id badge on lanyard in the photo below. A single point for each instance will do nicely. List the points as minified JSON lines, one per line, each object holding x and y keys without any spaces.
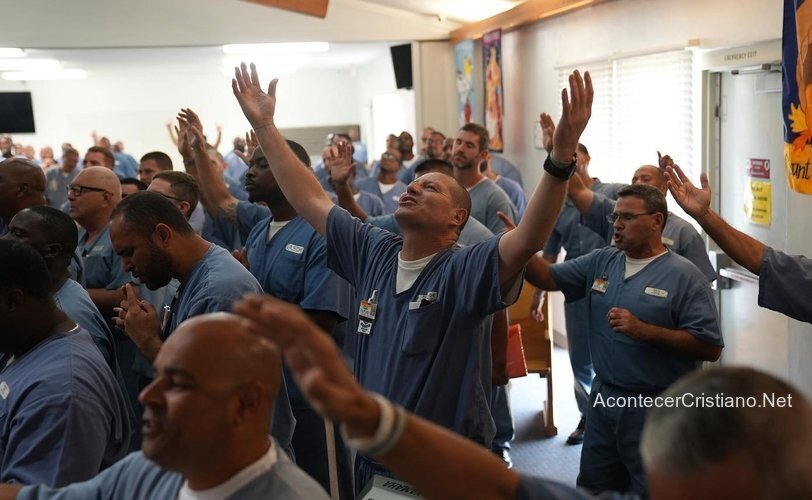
{"x":366,"y":313}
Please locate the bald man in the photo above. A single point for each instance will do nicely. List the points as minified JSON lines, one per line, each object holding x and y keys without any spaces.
{"x":92,"y":196}
{"x":205,"y":425}
{"x":22,"y":185}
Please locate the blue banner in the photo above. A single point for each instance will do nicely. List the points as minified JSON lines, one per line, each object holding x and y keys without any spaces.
{"x":797,"y":94}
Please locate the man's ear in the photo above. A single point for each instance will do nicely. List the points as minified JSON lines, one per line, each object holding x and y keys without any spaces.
{"x":52,"y":250}
{"x":162,"y":234}
{"x":460,"y":215}
{"x":250,"y":397}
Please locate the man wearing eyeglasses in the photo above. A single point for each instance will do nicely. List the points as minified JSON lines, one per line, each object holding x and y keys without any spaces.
{"x":678,"y":234}
{"x":652,"y":319}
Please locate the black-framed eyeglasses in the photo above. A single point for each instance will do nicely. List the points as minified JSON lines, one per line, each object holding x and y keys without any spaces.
{"x":613,"y":217}
{"x":172,"y":198}
{"x":76,"y":190}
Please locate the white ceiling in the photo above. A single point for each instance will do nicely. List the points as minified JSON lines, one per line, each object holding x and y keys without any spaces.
{"x":151,"y":23}
{"x":104,"y":37}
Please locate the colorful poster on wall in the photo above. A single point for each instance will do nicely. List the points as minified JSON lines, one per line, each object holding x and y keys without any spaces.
{"x":464,"y":63}
{"x":797,"y":98}
{"x":494,"y":99}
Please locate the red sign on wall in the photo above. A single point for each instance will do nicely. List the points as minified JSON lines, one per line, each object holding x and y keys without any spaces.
{"x":759,"y":168}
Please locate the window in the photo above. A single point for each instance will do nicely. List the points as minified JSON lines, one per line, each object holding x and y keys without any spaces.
{"x":642,"y":104}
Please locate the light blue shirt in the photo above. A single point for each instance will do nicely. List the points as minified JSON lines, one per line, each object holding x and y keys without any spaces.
{"x":63,"y":418}
{"x":516,"y":194}
{"x":137,"y":478}
{"x":670,"y":292}
{"x":428,"y":348}
{"x":390,"y":199}
{"x":103,"y":267}
{"x":236,"y":167}
{"x":784,"y":284}
{"x":486,"y":200}
{"x":56,"y":185}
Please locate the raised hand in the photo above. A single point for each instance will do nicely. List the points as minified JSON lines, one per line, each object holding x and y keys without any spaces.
{"x":141,"y":322}
{"x":191,"y":119}
{"x":257,"y":106}
{"x":664,"y":161}
{"x":696,"y":202}
{"x":576,"y":111}
{"x":309,"y":352}
{"x":184,"y":148}
{"x":251,"y":144}
{"x":547,"y":132}
{"x":339,"y":163}
{"x":193,"y":136}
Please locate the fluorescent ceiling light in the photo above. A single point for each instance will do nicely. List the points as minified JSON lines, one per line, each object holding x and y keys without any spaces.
{"x":11,"y":52}
{"x":59,"y":74}
{"x":25,"y":64}
{"x":474,"y":10}
{"x":277,"y":48}
{"x":266,"y":60}
{"x":267,"y":71}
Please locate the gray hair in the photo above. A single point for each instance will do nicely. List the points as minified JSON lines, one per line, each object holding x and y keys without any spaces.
{"x":724,"y":411}
{"x":653,"y":198}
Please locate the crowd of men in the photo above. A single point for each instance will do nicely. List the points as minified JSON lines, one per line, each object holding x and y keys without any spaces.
{"x":186,"y":334}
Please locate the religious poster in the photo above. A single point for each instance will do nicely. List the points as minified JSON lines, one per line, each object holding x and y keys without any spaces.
{"x":797,"y":98}
{"x":464,"y":63}
{"x":494,"y":99}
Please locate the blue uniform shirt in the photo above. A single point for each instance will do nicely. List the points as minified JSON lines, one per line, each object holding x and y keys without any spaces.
{"x":486,"y":200}
{"x":103,"y":267}
{"x":136,"y":477}
{"x":670,"y":292}
{"x":516,"y":194}
{"x":428,"y":347}
{"x":371,"y":204}
{"x":63,"y":417}
{"x":390,"y":199}
{"x":56,"y":185}
{"x":236,"y":167}
{"x":785,"y":282}
{"x":125,"y":166}
{"x":75,"y":302}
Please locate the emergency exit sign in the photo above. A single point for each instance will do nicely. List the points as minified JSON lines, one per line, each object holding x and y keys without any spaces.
{"x":759,"y":168}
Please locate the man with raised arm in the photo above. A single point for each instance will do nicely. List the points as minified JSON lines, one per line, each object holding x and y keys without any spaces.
{"x":423,"y":303}
{"x":690,"y":450}
{"x":784,"y":280}
{"x":678,"y":235}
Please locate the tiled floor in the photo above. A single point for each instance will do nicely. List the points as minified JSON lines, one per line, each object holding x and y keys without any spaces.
{"x":532,"y":452}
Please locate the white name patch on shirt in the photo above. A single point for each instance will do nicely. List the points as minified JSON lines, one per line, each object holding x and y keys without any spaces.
{"x":667,"y":241}
{"x":4,"y":390}
{"x":656,"y":292}
{"x":290,"y":247}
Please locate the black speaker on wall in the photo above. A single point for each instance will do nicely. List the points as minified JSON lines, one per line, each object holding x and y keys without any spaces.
{"x":402,"y":62}
{"x":16,"y":113}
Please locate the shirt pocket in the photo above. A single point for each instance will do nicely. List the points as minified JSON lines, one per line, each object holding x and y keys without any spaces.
{"x":422,"y":329}
{"x":288,"y":276}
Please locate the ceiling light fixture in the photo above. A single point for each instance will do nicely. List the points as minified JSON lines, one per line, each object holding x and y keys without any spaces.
{"x":59,"y":74}
{"x":24,"y":64}
{"x":11,"y":52}
{"x":276,"y":48}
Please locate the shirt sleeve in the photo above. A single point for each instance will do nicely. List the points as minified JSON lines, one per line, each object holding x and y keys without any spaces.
{"x":595,"y":219}
{"x":57,"y":439}
{"x":100,"y":487}
{"x":351,"y":244}
{"x":781,"y":278}
{"x":696,"y":312}
{"x":248,"y":215}
{"x":573,"y":277}
{"x":324,"y":290}
{"x":501,"y":203}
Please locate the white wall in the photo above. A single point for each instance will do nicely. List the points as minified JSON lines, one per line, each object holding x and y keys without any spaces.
{"x":377,"y":78}
{"x":613,"y":29}
{"x":135,"y":109}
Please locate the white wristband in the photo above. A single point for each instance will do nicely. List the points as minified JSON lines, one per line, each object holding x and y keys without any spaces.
{"x":391,"y":424}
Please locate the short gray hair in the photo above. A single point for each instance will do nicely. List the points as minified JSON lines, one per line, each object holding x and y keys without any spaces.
{"x":653,"y":198}
{"x":683,"y":439}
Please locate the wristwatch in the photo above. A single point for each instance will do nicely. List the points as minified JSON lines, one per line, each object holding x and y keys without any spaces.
{"x":555,"y":168}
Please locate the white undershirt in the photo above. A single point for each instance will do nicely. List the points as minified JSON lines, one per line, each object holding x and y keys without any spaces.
{"x":385,"y":188}
{"x":235,"y":483}
{"x":409,"y":270}
{"x":634,"y":266}
{"x":480,"y":181}
{"x":274,"y":227}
